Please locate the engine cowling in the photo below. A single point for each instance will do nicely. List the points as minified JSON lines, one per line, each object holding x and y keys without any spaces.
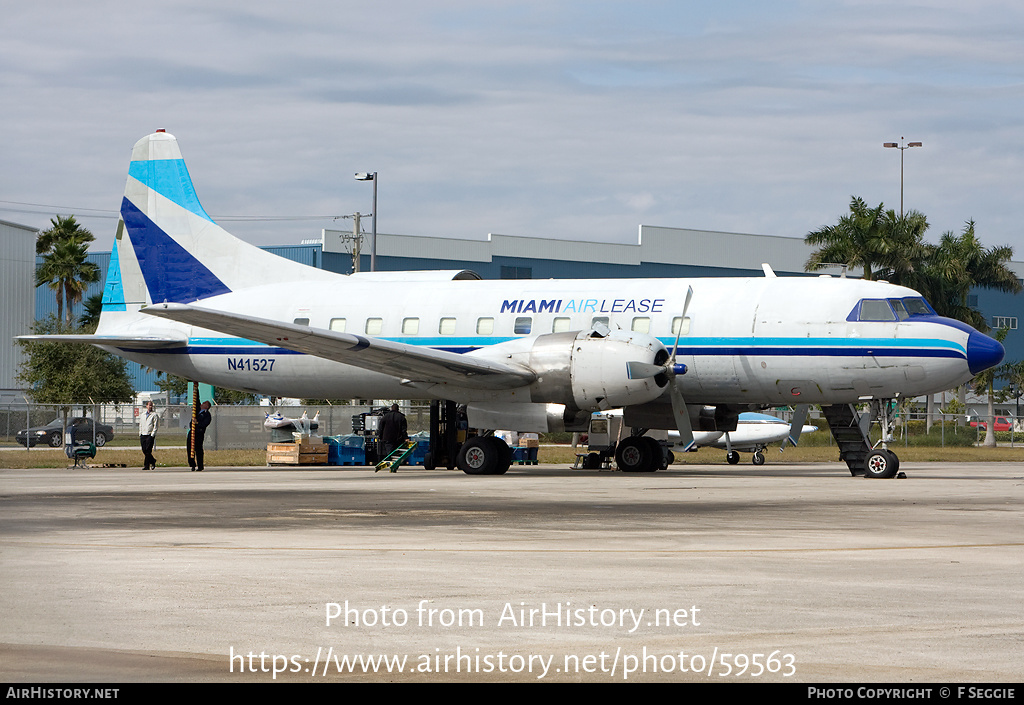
{"x":586,"y":370}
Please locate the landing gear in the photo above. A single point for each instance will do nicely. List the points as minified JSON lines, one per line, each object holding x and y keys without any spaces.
{"x":758,"y":458}
{"x":850,"y":427}
{"x":485,"y":455}
{"x":732,"y":457}
{"x":638,"y":454}
{"x":881,"y":464}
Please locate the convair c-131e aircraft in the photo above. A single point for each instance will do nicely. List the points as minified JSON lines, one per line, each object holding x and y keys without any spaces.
{"x":186,"y":297}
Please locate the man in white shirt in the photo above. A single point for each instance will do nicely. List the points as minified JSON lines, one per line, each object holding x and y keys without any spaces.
{"x":147,"y":435}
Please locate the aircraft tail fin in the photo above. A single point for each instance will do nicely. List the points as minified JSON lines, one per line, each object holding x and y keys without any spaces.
{"x":167,"y":248}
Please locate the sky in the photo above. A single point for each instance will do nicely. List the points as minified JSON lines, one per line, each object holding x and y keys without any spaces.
{"x":574,"y":120}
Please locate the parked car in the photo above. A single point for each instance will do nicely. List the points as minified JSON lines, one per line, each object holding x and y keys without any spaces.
{"x":1002,"y":423}
{"x":52,"y":434}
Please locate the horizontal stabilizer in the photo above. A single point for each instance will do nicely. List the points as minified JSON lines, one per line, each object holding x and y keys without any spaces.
{"x":150,"y":342}
{"x":413,"y":362}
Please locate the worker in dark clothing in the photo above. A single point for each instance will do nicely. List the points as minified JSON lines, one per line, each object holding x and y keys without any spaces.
{"x":203,"y":419}
{"x":393,"y":430}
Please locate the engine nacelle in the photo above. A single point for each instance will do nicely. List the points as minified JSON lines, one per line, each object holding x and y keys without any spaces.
{"x":586,"y":370}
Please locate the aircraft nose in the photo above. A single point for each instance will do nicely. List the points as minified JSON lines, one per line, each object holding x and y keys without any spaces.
{"x":983,"y":352}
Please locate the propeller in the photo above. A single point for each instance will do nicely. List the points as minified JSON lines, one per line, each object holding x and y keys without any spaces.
{"x":670,"y":369}
{"x":799,"y":416}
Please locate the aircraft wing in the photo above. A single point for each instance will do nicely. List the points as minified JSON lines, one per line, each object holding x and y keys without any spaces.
{"x":412,"y":362}
{"x":144,"y":342}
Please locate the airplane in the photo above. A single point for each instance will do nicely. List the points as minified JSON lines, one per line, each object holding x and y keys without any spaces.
{"x":754,"y":432}
{"x":186,"y":297}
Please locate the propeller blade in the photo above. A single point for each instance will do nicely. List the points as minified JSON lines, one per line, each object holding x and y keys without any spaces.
{"x":643,"y":370}
{"x":799,"y":416}
{"x":681,"y":416}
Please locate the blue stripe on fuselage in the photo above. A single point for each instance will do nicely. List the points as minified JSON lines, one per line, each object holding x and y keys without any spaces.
{"x":710,"y":347}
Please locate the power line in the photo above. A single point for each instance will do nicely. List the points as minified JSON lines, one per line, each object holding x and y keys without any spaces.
{"x":46,"y":209}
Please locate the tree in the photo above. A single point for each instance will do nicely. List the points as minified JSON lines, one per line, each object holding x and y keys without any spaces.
{"x":91,"y":311}
{"x":65,"y":268}
{"x":959,"y":264}
{"x":880,"y":242}
{"x":63,"y":374}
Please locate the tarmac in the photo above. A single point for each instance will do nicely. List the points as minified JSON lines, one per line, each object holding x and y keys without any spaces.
{"x":703,"y":573}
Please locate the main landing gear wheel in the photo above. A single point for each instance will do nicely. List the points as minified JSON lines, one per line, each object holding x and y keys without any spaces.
{"x":634,"y":454}
{"x":758,"y":458}
{"x":733,"y":457}
{"x":882,"y":464}
{"x":485,"y":455}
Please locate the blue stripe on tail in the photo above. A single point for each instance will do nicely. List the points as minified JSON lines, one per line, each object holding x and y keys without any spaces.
{"x":171,"y":273}
{"x":169,"y":178}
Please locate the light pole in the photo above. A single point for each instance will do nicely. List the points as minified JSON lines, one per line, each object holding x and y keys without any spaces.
{"x":366,"y":176}
{"x":902,"y":148}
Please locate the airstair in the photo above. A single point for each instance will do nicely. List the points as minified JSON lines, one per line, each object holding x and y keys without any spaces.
{"x":397,"y":457}
{"x":850,"y":429}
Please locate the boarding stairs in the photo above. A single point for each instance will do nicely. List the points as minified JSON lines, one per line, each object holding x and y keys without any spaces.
{"x":397,"y":457}
{"x":850,"y":429}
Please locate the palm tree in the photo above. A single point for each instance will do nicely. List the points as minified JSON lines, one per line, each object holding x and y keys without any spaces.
{"x":62,"y":228}
{"x":885,"y":245}
{"x":959,"y":264}
{"x":65,"y":268}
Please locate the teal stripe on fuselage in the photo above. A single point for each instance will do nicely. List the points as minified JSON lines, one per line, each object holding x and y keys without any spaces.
{"x":902,"y":347}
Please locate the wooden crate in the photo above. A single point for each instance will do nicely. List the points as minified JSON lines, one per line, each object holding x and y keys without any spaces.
{"x":296,"y":454}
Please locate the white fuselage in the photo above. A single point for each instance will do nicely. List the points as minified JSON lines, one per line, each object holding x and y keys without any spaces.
{"x":762,"y":340}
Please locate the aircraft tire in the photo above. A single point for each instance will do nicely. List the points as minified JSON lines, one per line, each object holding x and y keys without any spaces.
{"x":733,"y":457}
{"x":895,"y":461}
{"x":658,"y":457}
{"x":879,"y":464}
{"x":504,"y":456}
{"x":758,"y":458}
{"x":478,"y":456}
{"x":633,"y":454}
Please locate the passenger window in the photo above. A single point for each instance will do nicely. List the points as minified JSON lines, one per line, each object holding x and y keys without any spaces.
{"x":641,"y":324}
{"x":560,"y":325}
{"x":686,"y":325}
{"x":876,"y":310}
{"x":374,"y":326}
{"x":338,"y":325}
{"x":446,"y":326}
{"x":484,"y":326}
{"x":410,"y":326}
{"x":523,"y":325}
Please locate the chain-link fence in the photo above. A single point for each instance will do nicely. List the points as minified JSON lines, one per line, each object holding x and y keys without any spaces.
{"x":233,"y":427}
{"x":240,"y":427}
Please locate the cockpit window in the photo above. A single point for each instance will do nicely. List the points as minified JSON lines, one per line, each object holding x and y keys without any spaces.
{"x":890,"y":309}
{"x":917,"y":306}
{"x":875,"y":310}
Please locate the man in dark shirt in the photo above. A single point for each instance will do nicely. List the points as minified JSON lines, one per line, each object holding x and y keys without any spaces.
{"x":393,"y":430}
{"x":203,"y":419}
